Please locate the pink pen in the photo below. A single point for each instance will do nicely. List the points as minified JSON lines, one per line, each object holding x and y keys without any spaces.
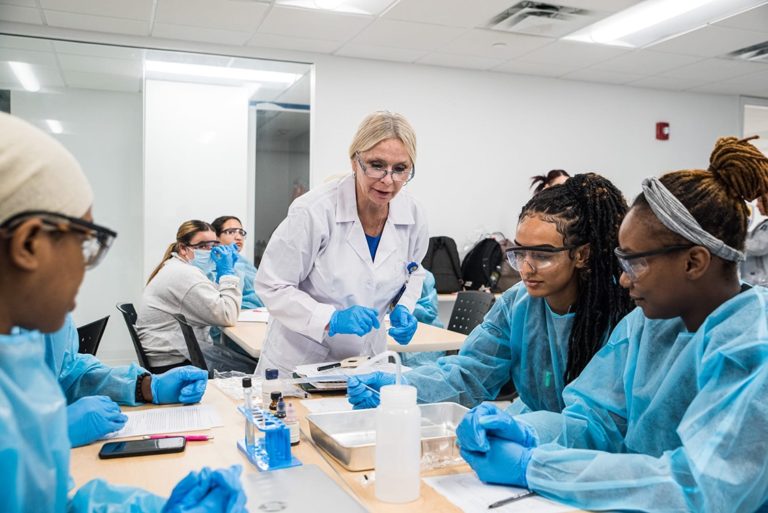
{"x":190,"y":438}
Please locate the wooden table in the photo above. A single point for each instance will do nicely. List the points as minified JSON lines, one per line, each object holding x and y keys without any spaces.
{"x":250,"y":336}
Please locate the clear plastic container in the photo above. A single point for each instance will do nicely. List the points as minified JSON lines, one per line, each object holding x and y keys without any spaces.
{"x":398,"y":445}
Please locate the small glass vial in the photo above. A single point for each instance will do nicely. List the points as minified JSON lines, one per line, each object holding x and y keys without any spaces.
{"x":269,"y":385}
{"x":293,"y":424}
{"x":280,"y":408}
{"x":250,"y":439}
{"x":275,"y":396}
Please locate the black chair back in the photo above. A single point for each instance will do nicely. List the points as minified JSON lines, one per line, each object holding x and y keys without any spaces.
{"x":90,"y":335}
{"x":469,"y":310}
{"x":193,"y":346}
{"x":130,"y":316}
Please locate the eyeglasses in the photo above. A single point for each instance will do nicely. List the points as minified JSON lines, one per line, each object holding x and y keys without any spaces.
{"x":203,"y":244}
{"x":96,"y":239}
{"x":537,"y":257}
{"x":235,"y":231}
{"x":378,"y":169}
{"x":635,"y":265}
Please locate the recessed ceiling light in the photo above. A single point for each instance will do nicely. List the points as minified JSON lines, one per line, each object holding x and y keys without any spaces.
{"x":653,"y":21}
{"x":54,"y":126}
{"x":24,"y":74}
{"x":219,"y":72}
{"x":370,"y":7}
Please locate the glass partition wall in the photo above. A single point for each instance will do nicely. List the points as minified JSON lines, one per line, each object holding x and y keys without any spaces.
{"x":164,"y":136}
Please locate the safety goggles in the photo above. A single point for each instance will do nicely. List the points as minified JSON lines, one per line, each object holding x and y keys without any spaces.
{"x":537,"y":257}
{"x":635,"y":265}
{"x":235,"y":231}
{"x":203,"y":244}
{"x":379,"y":169}
{"x":96,"y":239}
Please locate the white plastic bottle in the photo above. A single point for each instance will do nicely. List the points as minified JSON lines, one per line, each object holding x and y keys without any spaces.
{"x":270,"y":384}
{"x":398,"y":445}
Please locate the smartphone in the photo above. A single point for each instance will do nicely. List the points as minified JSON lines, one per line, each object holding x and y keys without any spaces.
{"x":142,"y":447}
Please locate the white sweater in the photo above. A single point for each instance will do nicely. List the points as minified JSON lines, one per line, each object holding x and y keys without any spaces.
{"x":183,"y":288}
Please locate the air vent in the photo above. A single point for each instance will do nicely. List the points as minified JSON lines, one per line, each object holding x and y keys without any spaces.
{"x":541,"y":19}
{"x":754,"y":53}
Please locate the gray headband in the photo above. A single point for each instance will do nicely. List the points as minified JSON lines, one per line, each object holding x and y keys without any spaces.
{"x":677,"y":218}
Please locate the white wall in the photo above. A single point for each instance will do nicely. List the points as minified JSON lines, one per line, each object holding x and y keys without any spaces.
{"x":195,"y":163}
{"x":103,"y":131}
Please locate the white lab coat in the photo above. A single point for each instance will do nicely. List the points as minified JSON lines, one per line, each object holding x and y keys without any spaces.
{"x":318,"y":261}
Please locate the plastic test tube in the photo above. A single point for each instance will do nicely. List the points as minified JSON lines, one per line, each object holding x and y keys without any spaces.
{"x":250,"y":439}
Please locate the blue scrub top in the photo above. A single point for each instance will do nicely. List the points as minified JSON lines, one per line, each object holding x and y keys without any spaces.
{"x":373,"y":244}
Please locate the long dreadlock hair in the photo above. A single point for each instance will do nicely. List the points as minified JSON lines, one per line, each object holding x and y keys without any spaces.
{"x":738,"y":172}
{"x":588,"y":209}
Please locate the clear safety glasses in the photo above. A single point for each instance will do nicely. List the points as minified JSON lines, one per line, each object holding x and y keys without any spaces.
{"x":203,"y":244}
{"x":538,"y":258}
{"x":635,"y":265}
{"x":235,"y":231}
{"x":378,"y":169}
{"x":96,"y":240}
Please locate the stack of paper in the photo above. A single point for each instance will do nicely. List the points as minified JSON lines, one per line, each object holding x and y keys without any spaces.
{"x":254,"y":315}
{"x":174,"y":419}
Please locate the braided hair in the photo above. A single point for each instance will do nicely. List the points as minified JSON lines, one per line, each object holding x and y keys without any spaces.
{"x":716,"y":198}
{"x":588,"y":209}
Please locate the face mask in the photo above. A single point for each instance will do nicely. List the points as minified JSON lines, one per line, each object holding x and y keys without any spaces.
{"x":202,"y":261}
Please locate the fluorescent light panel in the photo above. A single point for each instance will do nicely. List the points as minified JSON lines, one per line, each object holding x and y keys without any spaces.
{"x":654,"y":21}
{"x":54,"y":126}
{"x":369,"y":7}
{"x":26,"y":77}
{"x":205,"y":71}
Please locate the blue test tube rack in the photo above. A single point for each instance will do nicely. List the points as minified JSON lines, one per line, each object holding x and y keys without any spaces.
{"x":273,"y":450}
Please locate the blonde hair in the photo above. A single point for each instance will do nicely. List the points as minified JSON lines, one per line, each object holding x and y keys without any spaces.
{"x":382,"y":125}
{"x":184,"y":235}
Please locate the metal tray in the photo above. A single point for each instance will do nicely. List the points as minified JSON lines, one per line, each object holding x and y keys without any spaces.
{"x":350,"y":436}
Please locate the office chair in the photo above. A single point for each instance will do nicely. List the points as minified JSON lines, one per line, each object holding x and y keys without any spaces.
{"x":130,"y":316}
{"x":90,"y":335}
{"x":469,"y":310}
{"x":193,"y":346}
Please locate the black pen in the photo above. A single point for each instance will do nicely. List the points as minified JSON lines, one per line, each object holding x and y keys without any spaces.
{"x":516,"y":497}
{"x":329,"y":366}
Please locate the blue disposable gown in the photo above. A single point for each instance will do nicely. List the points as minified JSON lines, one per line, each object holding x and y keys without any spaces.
{"x":520,"y":339}
{"x":34,"y":445}
{"x":665,"y":420}
{"x":246,"y":271}
{"x":82,"y":375}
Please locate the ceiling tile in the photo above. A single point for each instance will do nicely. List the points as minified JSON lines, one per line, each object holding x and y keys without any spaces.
{"x":606,"y":6}
{"x":493,"y":44}
{"x":19,"y":14}
{"x":29,"y":56}
{"x":452,"y":13}
{"x":710,"y":41}
{"x":536,"y":68}
{"x":102,"y":81}
{"x":133,"y":9}
{"x":300,"y":44}
{"x":572,"y":53}
{"x":605,"y":77}
{"x":645,"y":62}
{"x":215,"y":14}
{"x":383,"y":53}
{"x":402,"y":34}
{"x":110,"y":66}
{"x":288,"y":21}
{"x":754,"y":19}
{"x":750,"y":85}
{"x":713,"y":70}
{"x":668,"y":83}
{"x":208,"y":35}
{"x":97,"y":23}
{"x":96,"y":50}
{"x":459,"y":61}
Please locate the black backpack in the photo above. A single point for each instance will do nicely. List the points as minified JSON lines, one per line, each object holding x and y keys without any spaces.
{"x":482,"y":265}
{"x":442,"y":260}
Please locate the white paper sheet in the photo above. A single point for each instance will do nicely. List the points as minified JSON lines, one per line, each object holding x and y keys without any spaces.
{"x":327,"y":404}
{"x":176,"y":419}
{"x":254,"y":315}
{"x":471,"y":495}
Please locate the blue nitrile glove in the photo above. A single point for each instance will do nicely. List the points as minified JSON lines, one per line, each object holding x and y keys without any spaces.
{"x":180,"y":385}
{"x":208,"y":491}
{"x":487,"y":420}
{"x":92,"y":418}
{"x":355,"y":320}
{"x":224,"y":258}
{"x":363,"y":397}
{"x":404,"y":325}
{"x":505,"y":462}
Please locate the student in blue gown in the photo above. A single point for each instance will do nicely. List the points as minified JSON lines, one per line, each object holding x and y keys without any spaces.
{"x":229,"y":230}
{"x":93,"y":390}
{"x":542,"y":332}
{"x":47,"y":241}
{"x":671,"y":414}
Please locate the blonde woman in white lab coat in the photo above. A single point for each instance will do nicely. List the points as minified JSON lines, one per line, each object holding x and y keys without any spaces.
{"x":341,"y":256}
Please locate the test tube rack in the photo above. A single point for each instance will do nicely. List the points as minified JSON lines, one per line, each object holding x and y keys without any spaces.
{"x":273,"y":450}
